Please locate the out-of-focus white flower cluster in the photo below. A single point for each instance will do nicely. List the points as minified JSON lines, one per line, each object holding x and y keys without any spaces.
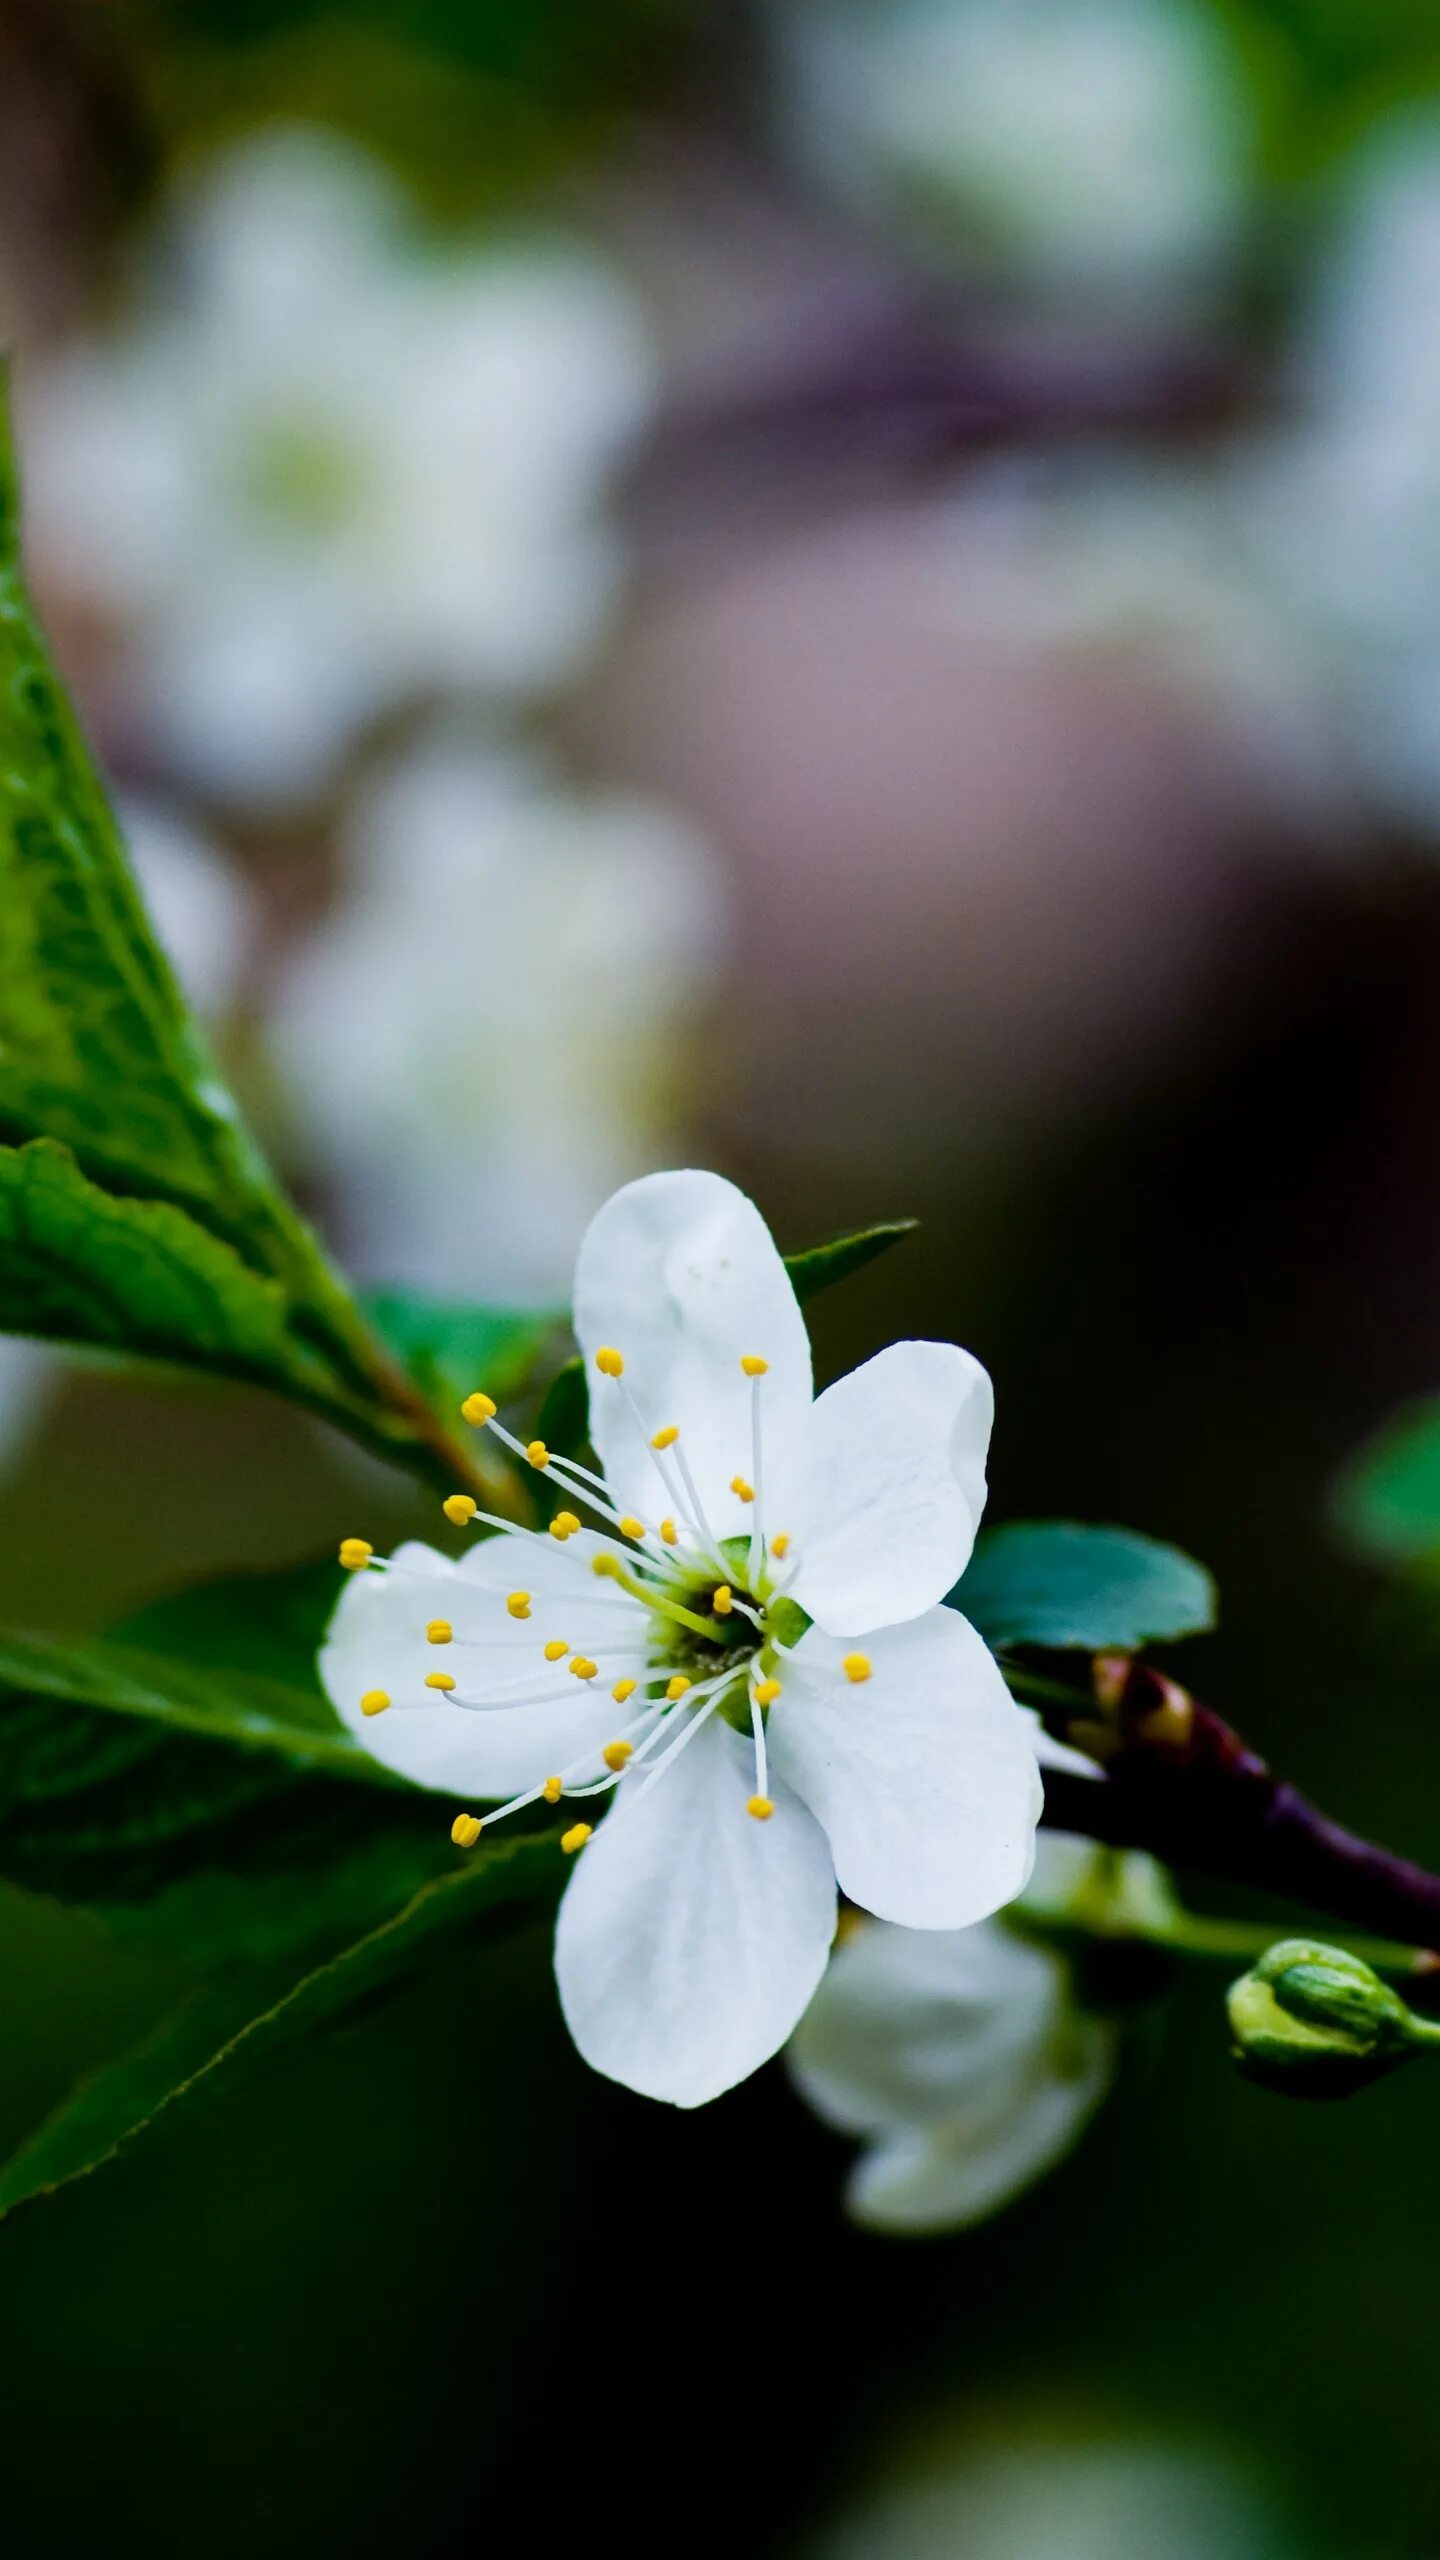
{"x":1028,"y":2489}
{"x":1090,"y":164}
{"x":1090,"y":151}
{"x":324,"y":467}
{"x":334,"y":499}
{"x":1343,"y":502}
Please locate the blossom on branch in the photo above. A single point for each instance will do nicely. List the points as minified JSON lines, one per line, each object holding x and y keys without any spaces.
{"x":747,"y":1662}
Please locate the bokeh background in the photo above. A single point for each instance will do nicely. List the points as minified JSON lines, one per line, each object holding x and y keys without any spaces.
{"x":849,"y":589}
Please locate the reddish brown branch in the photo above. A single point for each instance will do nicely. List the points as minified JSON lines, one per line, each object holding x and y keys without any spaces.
{"x":1181,"y":1783}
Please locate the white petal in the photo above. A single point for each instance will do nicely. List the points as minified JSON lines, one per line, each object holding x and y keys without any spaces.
{"x":910,"y":2025}
{"x":377,"y":1641}
{"x":679,"y":1274}
{"x":692,"y":1937}
{"x":882,"y":1492}
{"x":941,"y":2177}
{"x":923,"y":1775}
{"x":1059,"y":1755}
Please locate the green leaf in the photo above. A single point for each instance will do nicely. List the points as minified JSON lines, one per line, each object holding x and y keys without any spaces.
{"x":563,"y":1422}
{"x":450,"y":1349}
{"x":198,"y":1258}
{"x":1062,"y":1584}
{"x":240,"y":2027}
{"x":217,"y":1805}
{"x":1387,"y":1500}
{"x":80,"y":1265}
{"x":823,"y":1264}
{"x":564,"y":1418}
{"x":268,"y":1622}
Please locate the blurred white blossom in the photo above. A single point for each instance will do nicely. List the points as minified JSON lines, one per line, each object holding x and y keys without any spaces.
{"x":1079,"y":147}
{"x":1035,"y":2494}
{"x":961,"y":2057}
{"x":489,"y":1036}
{"x":1100,"y":551}
{"x":1344,"y":505}
{"x":322,"y":466}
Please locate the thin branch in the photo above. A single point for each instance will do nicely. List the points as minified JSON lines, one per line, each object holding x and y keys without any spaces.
{"x":1182,"y":1783}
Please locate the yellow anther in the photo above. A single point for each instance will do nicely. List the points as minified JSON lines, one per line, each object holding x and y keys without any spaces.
{"x":518,"y":1604}
{"x":355,"y":1553}
{"x":563,"y":1526}
{"x":575,"y":1838}
{"x":622,"y":1690}
{"x":739,"y":1487}
{"x":556,"y":1649}
{"x":375,"y":1702}
{"x":781,"y":1546}
{"x":761,"y":1807}
{"x":766,"y":1692}
{"x":606,"y":1565}
{"x":677,"y":1687}
{"x":856,"y":1666}
{"x":479,"y":1408}
{"x":458,"y":1508}
{"x":630,"y":1527}
{"x":615,"y":1754}
{"x":609,"y":1362}
{"x":439,"y":1631}
{"x":753,"y":1365}
{"x":583,"y":1667}
{"x":465,"y":1830}
{"x":722,"y":1600}
{"x":537,"y":1453}
{"x":438,"y":1680}
{"x":667,"y":1438}
{"x":553,"y":1790}
{"x":669,"y":1532}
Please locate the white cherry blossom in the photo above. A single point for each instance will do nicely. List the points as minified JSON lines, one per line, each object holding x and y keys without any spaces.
{"x":961,"y":2057}
{"x":747,"y":1656}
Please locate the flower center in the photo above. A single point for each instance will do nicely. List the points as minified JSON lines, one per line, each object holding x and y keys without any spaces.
{"x":717,"y":1610}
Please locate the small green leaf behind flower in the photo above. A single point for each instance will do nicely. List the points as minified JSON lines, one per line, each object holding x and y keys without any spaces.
{"x":448,"y":1348}
{"x":822,"y":1265}
{"x":1061,"y":1584}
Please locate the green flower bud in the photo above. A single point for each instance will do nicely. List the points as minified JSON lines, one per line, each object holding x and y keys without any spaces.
{"x":1315,"y":2022}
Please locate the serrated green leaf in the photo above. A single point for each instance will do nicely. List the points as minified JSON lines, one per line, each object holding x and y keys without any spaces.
{"x":99,"y":1056}
{"x":1060,"y":1583}
{"x":822,"y":1265}
{"x":564,"y":1419}
{"x":81,"y":1265}
{"x":226,"y":2034}
{"x":1387,"y":1500}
